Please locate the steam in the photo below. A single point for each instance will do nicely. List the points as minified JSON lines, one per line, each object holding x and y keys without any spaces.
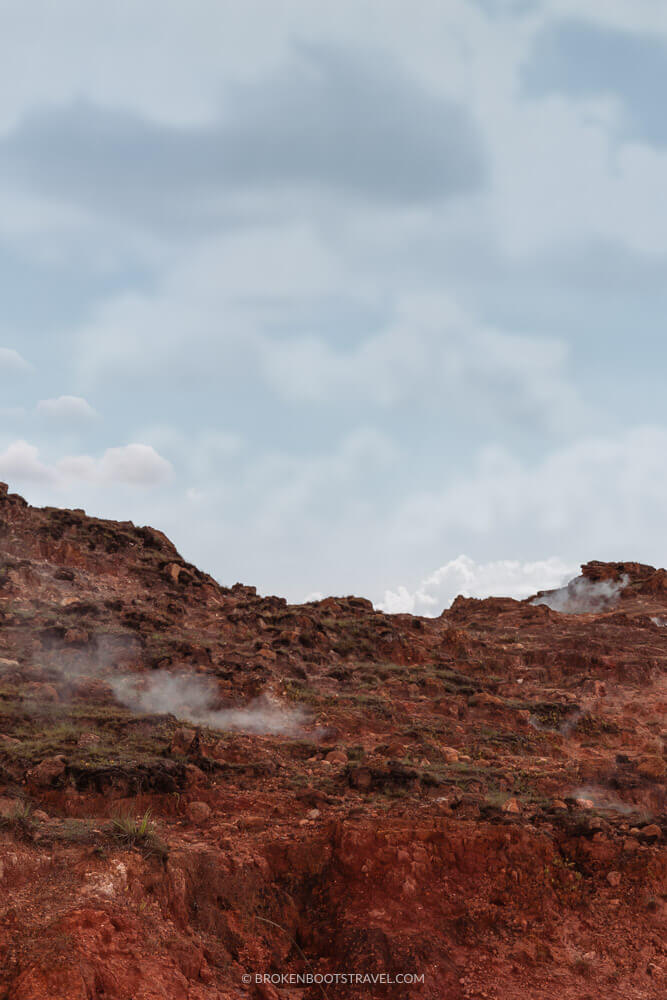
{"x":602,"y":799}
{"x":584,"y":596}
{"x":567,"y":726}
{"x":195,"y":699}
{"x":189,"y":696}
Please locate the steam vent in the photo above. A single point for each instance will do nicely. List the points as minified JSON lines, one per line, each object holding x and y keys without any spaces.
{"x":206,"y":793}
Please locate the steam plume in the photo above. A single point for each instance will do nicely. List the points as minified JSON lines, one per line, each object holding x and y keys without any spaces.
{"x":582,"y":596}
{"x":194,"y":699}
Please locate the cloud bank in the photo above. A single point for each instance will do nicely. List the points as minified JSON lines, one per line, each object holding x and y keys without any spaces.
{"x":329,"y":119}
{"x":132,"y":464}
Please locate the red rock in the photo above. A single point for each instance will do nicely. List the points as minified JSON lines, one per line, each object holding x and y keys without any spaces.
{"x":199,"y":812}
{"x":88,"y":741}
{"x":265,"y":991}
{"x":361,"y":778}
{"x":652,"y":767}
{"x":651,"y":833}
{"x":48,"y":772}
{"x":76,"y":636}
{"x":51,"y":984}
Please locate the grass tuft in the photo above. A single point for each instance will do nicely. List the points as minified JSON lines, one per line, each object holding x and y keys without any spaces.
{"x":139,"y":831}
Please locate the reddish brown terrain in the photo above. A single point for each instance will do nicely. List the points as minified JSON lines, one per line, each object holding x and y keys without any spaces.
{"x":476,"y":799}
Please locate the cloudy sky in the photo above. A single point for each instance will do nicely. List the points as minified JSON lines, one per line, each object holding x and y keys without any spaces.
{"x":358,"y":297}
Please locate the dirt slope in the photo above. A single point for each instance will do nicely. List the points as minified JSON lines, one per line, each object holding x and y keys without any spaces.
{"x":475,"y":800}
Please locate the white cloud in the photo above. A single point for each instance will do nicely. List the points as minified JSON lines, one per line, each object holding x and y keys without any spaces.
{"x":11,"y":361}
{"x":631,"y":15}
{"x":68,"y":409}
{"x":137,"y":464}
{"x":204,"y":316}
{"x":561,"y":176}
{"x":598,"y":497}
{"x":216,"y":315}
{"x":504,"y":578}
{"x":433,"y":354}
{"x":133,"y":464}
{"x":20,"y":462}
{"x":291,"y":494}
{"x":204,"y":453}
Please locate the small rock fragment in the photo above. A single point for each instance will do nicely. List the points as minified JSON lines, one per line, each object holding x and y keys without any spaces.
{"x":88,"y":741}
{"x":361,"y":778}
{"x":199,"y":812}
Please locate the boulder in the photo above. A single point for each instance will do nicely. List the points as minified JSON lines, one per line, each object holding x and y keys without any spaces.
{"x":653,"y":767}
{"x":41,"y":692}
{"x":651,"y":833}
{"x":48,"y":772}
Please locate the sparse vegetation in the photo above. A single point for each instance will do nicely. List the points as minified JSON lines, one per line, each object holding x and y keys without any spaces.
{"x":138,"y":831}
{"x":20,"y":820}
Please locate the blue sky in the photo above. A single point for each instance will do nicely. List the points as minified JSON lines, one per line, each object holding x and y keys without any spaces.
{"x":365,"y":297}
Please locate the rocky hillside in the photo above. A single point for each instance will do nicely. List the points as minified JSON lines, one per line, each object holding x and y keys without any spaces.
{"x":200,"y":786}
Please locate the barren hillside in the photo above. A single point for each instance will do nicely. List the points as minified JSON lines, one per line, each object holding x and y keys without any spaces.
{"x":199,"y":784}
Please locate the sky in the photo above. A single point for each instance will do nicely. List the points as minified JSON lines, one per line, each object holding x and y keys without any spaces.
{"x":365,"y":297}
